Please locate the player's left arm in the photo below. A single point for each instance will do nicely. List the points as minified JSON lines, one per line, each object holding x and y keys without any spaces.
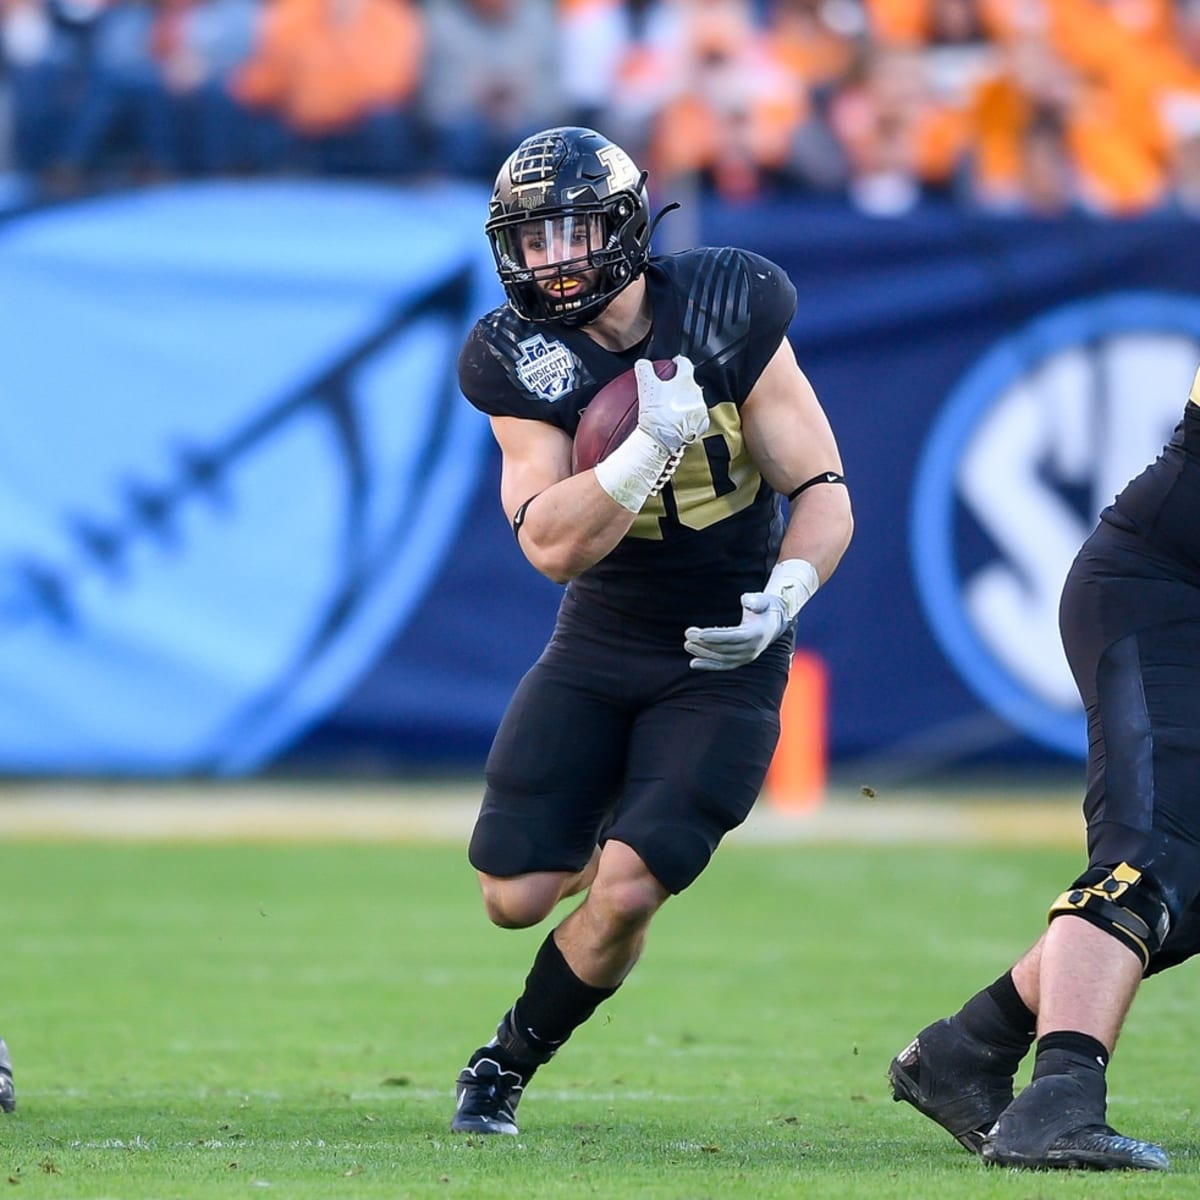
{"x":792,"y":444}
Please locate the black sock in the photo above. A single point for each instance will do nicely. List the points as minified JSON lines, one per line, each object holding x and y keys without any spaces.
{"x":553,"y":1005}
{"x":1067,"y":1052}
{"x":555,"y":1001}
{"x":998,"y":1017}
{"x":1022,"y":1020}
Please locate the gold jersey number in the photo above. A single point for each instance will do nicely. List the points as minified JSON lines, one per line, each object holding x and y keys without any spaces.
{"x":715,"y":479}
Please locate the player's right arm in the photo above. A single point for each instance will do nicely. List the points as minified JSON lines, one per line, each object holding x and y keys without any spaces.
{"x":564,"y":523}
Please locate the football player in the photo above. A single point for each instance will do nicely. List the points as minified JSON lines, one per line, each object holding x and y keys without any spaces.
{"x":644,"y":731}
{"x":1130,"y":623}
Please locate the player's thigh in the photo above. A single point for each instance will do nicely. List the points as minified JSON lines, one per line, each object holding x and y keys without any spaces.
{"x":1143,"y":806}
{"x":552,"y":774}
{"x":697,"y":761}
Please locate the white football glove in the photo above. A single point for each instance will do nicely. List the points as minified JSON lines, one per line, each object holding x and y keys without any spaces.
{"x":672,"y":411}
{"x":765,"y":615}
{"x":671,"y":415}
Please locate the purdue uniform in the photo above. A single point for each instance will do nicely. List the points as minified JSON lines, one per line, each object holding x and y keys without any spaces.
{"x":1130,"y":625}
{"x":712,"y":533}
{"x":644,"y":731}
{"x":1130,"y":620}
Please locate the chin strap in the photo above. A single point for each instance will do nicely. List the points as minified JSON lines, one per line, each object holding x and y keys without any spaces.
{"x":662,"y":212}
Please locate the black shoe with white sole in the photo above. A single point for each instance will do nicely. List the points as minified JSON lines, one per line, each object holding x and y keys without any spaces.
{"x":488,"y":1096}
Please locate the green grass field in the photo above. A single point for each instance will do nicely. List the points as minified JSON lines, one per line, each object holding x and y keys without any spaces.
{"x":237,"y":1020}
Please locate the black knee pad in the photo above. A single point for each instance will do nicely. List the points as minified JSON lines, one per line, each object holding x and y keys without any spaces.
{"x":501,"y":846}
{"x":1122,"y":901}
{"x":506,"y":844}
{"x":1182,"y":943}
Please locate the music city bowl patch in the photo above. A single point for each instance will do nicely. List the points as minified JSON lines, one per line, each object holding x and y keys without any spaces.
{"x":235,"y":456}
{"x":1037,"y":438}
{"x":546,"y":368}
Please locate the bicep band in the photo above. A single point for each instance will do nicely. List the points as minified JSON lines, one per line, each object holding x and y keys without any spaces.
{"x":519,"y":516}
{"x":824,"y":477}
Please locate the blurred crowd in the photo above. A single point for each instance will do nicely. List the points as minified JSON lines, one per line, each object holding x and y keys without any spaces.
{"x":1005,"y":106}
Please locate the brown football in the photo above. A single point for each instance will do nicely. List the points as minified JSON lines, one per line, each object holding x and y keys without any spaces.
{"x":610,"y":417}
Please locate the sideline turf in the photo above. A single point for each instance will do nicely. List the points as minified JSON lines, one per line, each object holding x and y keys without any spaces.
{"x":213,"y":1021}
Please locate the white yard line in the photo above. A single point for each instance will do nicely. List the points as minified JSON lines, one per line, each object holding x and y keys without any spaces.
{"x":440,"y":812}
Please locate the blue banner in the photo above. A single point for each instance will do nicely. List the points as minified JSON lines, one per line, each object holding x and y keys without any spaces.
{"x":247,"y":522}
{"x":993,"y":384}
{"x":236,"y":461}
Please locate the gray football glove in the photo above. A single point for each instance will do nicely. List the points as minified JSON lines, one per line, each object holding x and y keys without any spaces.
{"x":765,"y":615}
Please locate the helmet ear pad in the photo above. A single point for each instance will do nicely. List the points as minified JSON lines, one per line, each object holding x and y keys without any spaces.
{"x":569,"y":172}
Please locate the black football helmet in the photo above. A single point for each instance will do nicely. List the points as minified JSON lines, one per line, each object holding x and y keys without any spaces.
{"x":569,"y":224}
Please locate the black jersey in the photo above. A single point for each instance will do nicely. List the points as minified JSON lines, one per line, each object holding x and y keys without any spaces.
{"x":1162,"y":505}
{"x":715,"y":529}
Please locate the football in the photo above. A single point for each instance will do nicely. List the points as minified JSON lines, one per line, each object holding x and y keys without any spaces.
{"x":610,"y":417}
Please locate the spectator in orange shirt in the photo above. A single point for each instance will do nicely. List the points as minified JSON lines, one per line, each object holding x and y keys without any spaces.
{"x":925,"y":22}
{"x":1129,"y":45}
{"x":713,"y":99}
{"x":339,"y":78}
{"x":955,"y":38}
{"x":1118,"y":145}
{"x":902,"y":142}
{"x":816,"y":40}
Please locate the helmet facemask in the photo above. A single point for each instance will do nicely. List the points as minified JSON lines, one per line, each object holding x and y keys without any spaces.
{"x":568,"y":226}
{"x":563,"y":266}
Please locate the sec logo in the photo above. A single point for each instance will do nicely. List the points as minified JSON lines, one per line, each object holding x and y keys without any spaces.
{"x":234,"y":457}
{"x":1038,"y":437}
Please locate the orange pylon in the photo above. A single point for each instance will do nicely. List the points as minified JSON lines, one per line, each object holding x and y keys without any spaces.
{"x":796,"y":777}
